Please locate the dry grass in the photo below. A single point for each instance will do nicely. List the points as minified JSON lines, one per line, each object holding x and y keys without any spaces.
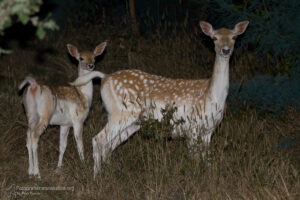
{"x":244,"y":163}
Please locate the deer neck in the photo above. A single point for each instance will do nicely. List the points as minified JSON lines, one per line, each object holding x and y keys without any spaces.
{"x":219,"y":83}
{"x":87,"y":89}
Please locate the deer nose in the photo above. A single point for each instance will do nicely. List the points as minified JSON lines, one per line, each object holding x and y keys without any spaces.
{"x":225,"y":51}
{"x":90,"y":66}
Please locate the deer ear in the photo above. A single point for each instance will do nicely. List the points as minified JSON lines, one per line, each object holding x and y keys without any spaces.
{"x":207,"y":28}
{"x":240,"y":27}
{"x":73,"y":51}
{"x":99,"y":49}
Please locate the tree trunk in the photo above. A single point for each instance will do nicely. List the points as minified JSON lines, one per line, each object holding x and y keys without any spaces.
{"x":132,"y":10}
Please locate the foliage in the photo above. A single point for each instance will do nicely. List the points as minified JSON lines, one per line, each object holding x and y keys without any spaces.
{"x":266,"y":93}
{"x":149,"y":125}
{"x":273,"y":24}
{"x":23,"y":11}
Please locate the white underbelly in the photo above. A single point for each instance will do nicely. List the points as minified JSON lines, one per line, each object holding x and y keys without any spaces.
{"x":186,"y":120}
{"x":62,"y":114}
{"x":59,"y":118}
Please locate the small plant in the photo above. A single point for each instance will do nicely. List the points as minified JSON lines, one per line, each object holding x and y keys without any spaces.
{"x":157,"y":130}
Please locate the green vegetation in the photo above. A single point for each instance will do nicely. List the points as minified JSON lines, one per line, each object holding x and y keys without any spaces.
{"x":23,"y":11}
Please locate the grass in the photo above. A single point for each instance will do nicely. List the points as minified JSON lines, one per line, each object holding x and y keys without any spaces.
{"x":244,"y":161}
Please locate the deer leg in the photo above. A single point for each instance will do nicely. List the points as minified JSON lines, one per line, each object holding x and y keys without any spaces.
{"x":64,"y":132}
{"x":34,"y":142}
{"x":97,"y":149}
{"x":103,"y":142}
{"x":192,"y":142}
{"x":101,"y":147}
{"x":124,"y":135}
{"x":32,"y":123}
{"x":33,"y":119}
{"x":205,"y":144}
{"x":78,"y":129}
{"x":28,"y":144}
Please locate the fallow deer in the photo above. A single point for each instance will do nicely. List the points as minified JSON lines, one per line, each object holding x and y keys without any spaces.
{"x":200,"y":103}
{"x":66,"y":106}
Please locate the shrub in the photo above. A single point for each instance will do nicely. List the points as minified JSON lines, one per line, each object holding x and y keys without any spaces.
{"x":23,"y":11}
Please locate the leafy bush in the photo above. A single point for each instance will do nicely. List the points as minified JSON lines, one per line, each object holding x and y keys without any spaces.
{"x":266,"y":93}
{"x":23,"y":11}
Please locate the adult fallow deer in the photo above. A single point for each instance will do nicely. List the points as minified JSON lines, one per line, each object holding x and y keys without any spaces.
{"x":200,"y":103}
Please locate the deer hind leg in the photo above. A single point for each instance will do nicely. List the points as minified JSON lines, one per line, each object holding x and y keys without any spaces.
{"x":108,"y":138}
{"x":121,"y":137}
{"x":64,"y":132}
{"x":28,"y":145}
{"x":78,"y":129}
{"x":124,"y":135}
{"x":32,"y":123}
{"x":30,"y":132}
{"x":33,"y":119}
{"x":42,"y":125}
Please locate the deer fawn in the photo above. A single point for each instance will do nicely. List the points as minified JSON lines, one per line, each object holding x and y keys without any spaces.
{"x":200,"y":103}
{"x":64,"y":105}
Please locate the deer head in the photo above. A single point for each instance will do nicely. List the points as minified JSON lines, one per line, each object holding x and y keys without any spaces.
{"x":86,"y":59}
{"x":224,"y":38}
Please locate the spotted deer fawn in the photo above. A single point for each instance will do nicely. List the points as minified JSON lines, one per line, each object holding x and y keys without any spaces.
{"x":66,"y":106}
{"x":200,"y":103}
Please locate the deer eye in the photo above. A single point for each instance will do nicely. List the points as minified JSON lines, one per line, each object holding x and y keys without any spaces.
{"x":234,"y":37}
{"x":214,"y":38}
